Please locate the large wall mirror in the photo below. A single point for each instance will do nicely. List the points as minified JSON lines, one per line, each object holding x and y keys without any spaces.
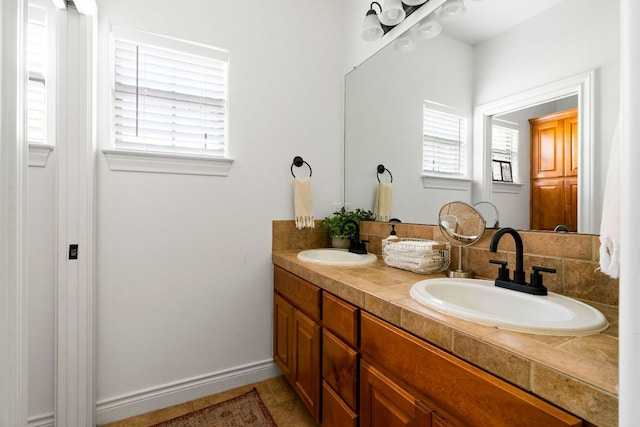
{"x":498,"y":52}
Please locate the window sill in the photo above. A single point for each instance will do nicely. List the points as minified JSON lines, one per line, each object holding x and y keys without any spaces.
{"x":506,"y":187}
{"x":154,"y":162}
{"x":39,"y":154}
{"x":443,"y":183}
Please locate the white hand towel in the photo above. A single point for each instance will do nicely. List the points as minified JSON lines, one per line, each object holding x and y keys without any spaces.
{"x":384,"y":197}
{"x":303,"y":203}
{"x":412,"y":246}
{"x":610,"y":225}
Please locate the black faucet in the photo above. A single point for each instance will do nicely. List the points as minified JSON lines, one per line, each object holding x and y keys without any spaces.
{"x":518,"y":283}
{"x":356,"y":245}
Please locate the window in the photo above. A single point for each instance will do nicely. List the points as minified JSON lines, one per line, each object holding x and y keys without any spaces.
{"x":445,"y":148}
{"x":169,"y":95}
{"x":37,"y":54}
{"x":504,"y":148}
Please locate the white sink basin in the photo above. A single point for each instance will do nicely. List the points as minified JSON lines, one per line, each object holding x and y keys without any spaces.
{"x":329,"y":256}
{"x":481,"y":301}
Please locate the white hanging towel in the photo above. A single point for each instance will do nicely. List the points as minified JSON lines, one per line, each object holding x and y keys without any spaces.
{"x":303,"y":203}
{"x":384,"y":197}
{"x":610,"y":225}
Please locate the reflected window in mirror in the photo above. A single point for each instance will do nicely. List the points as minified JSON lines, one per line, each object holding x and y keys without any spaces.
{"x":40,"y":68}
{"x":445,"y":141}
{"x":504,"y":149}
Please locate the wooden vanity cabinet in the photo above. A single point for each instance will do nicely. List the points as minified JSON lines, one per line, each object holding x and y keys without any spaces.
{"x":297,"y":335}
{"x":457,"y":392}
{"x":353,"y":369}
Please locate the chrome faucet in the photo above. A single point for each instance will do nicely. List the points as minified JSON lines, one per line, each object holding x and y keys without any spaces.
{"x":356,"y":245}
{"x":518,"y":283}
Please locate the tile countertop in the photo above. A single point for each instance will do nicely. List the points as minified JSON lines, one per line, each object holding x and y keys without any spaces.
{"x":579,"y":374}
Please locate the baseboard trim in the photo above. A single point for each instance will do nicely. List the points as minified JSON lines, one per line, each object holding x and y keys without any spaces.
{"x":141,"y":402}
{"x":42,"y":420}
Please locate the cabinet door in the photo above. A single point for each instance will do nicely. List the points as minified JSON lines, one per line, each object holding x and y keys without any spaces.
{"x":282,"y":339}
{"x":554,"y":170}
{"x":547,"y":149}
{"x":306,"y":361}
{"x":547,"y":203}
{"x":385,"y":404}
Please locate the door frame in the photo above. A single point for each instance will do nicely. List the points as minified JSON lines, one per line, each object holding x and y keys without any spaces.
{"x":13,"y":219}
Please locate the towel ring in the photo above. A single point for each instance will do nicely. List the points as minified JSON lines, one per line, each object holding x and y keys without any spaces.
{"x":382,"y":169}
{"x":297,"y":161}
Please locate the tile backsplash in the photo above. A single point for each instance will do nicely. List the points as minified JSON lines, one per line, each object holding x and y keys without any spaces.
{"x":574,"y":256}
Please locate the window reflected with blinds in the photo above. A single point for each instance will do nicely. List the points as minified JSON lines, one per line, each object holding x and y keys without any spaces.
{"x":444,"y":143}
{"x":37,"y":75}
{"x":169,"y":95}
{"x":504,"y":147}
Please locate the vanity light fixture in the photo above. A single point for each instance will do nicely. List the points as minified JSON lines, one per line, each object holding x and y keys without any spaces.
{"x":371,"y":28}
{"x":452,"y":10}
{"x":392,"y":12}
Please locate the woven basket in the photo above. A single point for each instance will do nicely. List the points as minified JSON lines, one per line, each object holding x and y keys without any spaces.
{"x":417,"y":255}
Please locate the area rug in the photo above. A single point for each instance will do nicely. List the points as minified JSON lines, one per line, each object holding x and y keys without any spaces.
{"x":246,"y":410}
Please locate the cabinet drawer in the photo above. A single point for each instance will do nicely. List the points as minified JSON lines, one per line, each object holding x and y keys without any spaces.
{"x":340,"y":368}
{"x":341,"y":318}
{"x":453,"y":385}
{"x":302,"y":294}
{"x":335,"y":413}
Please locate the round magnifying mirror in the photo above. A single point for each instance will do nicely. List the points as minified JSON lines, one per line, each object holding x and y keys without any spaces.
{"x":489,"y":212}
{"x":462,"y":225}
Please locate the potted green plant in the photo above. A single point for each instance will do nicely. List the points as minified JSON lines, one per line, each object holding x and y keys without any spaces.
{"x":333,"y":225}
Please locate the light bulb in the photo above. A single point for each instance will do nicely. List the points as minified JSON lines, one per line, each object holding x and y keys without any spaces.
{"x":413,"y":2}
{"x":428,"y":28}
{"x":371,"y":28}
{"x":404,"y":43}
{"x":392,"y":13}
{"x":451,"y":10}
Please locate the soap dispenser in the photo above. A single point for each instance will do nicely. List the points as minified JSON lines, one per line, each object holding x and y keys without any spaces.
{"x":393,"y":235}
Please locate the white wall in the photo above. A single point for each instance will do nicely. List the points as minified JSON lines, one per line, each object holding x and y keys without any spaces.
{"x":184,"y":286}
{"x":577,"y":36}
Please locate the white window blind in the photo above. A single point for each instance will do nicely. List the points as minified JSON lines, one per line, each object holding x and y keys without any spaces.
{"x":169,"y":100}
{"x":36,"y":75}
{"x":504,"y":146}
{"x":444,"y":149}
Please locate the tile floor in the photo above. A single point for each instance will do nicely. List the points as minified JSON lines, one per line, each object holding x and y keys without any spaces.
{"x":283,"y":403}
